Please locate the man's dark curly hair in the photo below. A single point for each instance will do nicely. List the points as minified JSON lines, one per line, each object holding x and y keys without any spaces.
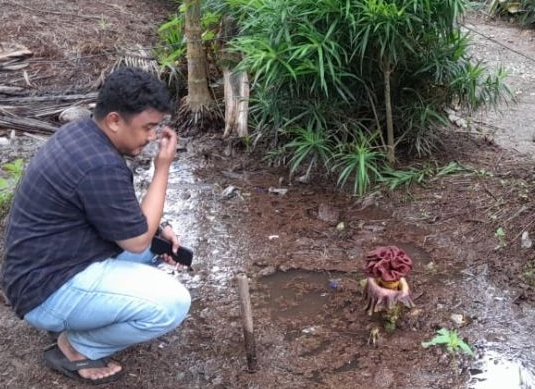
{"x":130,"y":91}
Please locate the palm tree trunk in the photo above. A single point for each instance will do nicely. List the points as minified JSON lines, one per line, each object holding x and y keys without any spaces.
{"x":198,"y":92}
{"x":389,"y":122}
{"x":198,"y":111}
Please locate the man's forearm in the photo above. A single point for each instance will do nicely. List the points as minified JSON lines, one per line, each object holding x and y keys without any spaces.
{"x":153,"y":202}
{"x":152,"y":207}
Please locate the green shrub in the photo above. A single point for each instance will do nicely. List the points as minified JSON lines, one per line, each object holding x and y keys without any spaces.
{"x":324,"y":73}
{"x":11,"y":174}
{"x":340,"y":56}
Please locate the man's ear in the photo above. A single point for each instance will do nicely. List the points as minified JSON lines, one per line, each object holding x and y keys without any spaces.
{"x":113,"y":120}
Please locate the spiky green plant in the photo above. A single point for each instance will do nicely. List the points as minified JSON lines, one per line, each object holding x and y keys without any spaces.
{"x":172,"y":35}
{"x":310,"y":145}
{"x":173,"y":45}
{"x":396,"y":178}
{"x":359,"y":162}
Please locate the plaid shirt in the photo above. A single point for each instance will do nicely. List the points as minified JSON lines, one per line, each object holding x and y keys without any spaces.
{"x":75,"y":200}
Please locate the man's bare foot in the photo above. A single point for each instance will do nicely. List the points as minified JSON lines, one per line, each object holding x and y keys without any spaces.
{"x":92,"y":374}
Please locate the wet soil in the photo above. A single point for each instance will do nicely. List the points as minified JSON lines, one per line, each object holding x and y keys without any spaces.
{"x":305,"y":268}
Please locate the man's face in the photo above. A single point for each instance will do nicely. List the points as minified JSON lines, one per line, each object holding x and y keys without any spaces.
{"x":134,"y":134}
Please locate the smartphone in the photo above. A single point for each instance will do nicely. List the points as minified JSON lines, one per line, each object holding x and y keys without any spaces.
{"x":160,"y":245}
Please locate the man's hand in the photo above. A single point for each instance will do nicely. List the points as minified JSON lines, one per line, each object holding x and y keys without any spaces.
{"x":169,"y":234}
{"x":167,"y":147}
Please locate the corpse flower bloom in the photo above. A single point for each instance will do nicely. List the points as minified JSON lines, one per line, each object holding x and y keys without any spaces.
{"x":386,"y":285}
{"x":388,"y":263}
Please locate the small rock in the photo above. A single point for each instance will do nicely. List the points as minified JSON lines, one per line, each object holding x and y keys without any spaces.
{"x":457,"y":319}
{"x":229,"y":192}
{"x":460,"y":122}
{"x":526,"y":242}
{"x":285,"y":267}
{"x":303,"y":179}
{"x":267,"y":271}
{"x":279,"y":191}
{"x":74,"y":113}
{"x":309,"y":330}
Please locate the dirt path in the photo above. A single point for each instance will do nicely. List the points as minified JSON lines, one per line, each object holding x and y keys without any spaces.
{"x":305,"y":273}
{"x":506,"y":45}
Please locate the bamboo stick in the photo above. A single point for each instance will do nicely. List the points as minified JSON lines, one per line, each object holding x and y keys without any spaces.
{"x":247,"y":323}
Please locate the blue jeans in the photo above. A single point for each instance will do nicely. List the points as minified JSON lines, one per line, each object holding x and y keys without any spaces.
{"x":114,"y":304}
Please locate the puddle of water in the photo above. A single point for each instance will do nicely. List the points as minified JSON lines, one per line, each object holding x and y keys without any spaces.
{"x":507,"y":361}
{"x":193,"y":223}
{"x":493,"y":371}
{"x":298,"y":293}
{"x":290,"y":296}
{"x":183,"y":199}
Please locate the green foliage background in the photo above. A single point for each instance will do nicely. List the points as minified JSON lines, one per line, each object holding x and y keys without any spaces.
{"x":319,"y":68}
{"x":9,"y":178}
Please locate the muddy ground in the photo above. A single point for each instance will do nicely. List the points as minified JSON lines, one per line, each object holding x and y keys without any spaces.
{"x":311,"y":329}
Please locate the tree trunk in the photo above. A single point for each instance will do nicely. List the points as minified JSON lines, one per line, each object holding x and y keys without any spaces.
{"x":198,"y":92}
{"x":389,"y":122}
{"x":236,"y":102}
{"x":198,"y":111}
{"x":236,"y":83}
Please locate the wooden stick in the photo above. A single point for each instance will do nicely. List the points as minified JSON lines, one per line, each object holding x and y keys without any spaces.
{"x":24,"y":124}
{"x":31,"y":99}
{"x":247,"y":322}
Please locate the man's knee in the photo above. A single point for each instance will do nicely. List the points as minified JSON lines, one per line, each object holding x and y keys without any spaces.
{"x":182,"y":305}
{"x":174,"y":307}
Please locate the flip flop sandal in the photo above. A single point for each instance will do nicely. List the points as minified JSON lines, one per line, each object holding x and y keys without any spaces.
{"x":53,"y":336}
{"x":56,"y":360}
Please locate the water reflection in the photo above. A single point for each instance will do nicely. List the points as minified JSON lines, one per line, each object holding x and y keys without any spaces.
{"x":191,"y":210}
{"x":494,"y":371}
{"x":508,"y":359}
{"x":181,"y":201}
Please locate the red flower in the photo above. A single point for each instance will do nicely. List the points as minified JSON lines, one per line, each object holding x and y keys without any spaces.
{"x":389,"y":263}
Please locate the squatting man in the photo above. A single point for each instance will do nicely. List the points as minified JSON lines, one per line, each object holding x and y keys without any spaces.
{"x":77,"y":244}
